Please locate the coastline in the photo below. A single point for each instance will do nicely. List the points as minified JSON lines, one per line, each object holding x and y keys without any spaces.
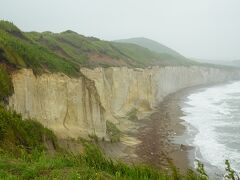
{"x":163,"y":135}
{"x":159,"y":138}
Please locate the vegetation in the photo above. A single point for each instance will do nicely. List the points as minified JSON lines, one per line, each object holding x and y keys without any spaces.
{"x":19,"y":51}
{"x":90,"y":165}
{"x":113,"y":132}
{"x":132,"y":115}
{"x":151,"y":45}
{"x":66,"y":51}
{"x":6,"y":87}
{"x":17,"y":135}
{"x":230,"y":173}
{"x":201,"y":170}
{"x":24,"y":155}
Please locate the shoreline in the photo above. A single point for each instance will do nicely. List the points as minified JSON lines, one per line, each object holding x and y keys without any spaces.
{"x":162,"y":136}
{"x":159,"y":145}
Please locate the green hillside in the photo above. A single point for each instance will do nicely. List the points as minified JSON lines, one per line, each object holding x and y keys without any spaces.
{"x":18,"y":51}
{"x":151,"y":45}
{"x":90,"y":51}
{"x":67,"y":51}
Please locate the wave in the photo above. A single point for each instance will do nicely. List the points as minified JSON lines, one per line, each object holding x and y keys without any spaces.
{"x":214,"y":113}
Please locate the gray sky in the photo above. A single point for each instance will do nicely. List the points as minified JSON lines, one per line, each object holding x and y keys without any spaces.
{"x":208,"y":29}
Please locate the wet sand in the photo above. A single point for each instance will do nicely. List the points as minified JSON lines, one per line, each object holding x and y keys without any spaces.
{"x":158,"y":134}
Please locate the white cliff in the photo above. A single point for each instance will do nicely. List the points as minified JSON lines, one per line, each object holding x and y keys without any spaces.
{"x":70,"y":107}
{"x":124,"y":89}
{"x":78,"y":107}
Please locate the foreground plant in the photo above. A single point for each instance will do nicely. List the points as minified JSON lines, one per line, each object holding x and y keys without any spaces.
{"x":230,"y":173}
{"x":24,"y":155}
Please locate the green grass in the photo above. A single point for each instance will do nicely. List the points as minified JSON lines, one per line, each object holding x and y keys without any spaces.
{"x":113,"y":132}
{"x":20,"y":52}
{"x":66,"y":52}
{"x":71,"y":45}
{"x":92,"y":164}
{"x":132,"y":115}
{"x":11,"y":28}
{"x":6,"y":87}
{"x":17,"y":134}
{"x":78,"y":48}
{"x":24,"y":155}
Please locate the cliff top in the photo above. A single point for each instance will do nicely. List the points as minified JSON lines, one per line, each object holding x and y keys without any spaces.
{"x":67,"y":51}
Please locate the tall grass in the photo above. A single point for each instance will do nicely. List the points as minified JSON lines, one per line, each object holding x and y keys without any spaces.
{"x":113,"y":132}
{"x":24,"y":155}
{"x":6,"y":87}
{"x":17,"y":134}
{"x":19,"y":51}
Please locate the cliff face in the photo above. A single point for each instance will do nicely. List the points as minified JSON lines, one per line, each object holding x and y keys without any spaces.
{"x":122,"y":90}
{"x":78,"y":107}
{"x":70,"y":107}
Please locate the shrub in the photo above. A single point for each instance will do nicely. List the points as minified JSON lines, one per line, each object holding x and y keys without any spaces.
{"x":17,"y":134}
{"x":6,"y":87}
{"x":113,"y":132}
{"x":132,"y":115}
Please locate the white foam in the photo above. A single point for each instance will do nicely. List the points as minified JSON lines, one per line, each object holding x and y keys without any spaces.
{"x":209,"y":110}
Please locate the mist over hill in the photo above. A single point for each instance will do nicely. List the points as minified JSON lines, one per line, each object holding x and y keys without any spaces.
{"x":233,"y":63}
{"x":151,"y":45}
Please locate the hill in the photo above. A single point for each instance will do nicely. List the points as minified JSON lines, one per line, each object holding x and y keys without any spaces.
{"x":151,"y":45}
{"x":235,"y":63}
{"x":18,"y":51}
{"x":67,"y":51}
{"x":91,"y":52}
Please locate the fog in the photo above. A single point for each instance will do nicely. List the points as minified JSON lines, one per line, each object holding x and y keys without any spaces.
{"x":205,"y":29}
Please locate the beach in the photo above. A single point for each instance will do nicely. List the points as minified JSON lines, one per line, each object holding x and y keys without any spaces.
{"x":163,"y":135}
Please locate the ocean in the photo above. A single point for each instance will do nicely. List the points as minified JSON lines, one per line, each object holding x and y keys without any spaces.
{"x":212,"y":117}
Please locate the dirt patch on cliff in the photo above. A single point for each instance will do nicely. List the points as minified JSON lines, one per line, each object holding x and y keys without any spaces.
{"x":98,"y":59}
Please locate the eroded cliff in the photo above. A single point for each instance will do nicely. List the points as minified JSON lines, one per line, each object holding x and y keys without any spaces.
{"x":80,"y":107}
{"x":70,"y":107}
{"x":122,"y":90}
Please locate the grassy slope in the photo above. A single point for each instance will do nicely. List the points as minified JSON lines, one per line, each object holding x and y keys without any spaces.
{"x":6,"y":87}
{"x":151,"y":45}
{"x":18,"y":51}
{"x":67,"y":51}
{"x":23,"y":155}
{"x":71,"y":45}
{"x":24,"y":147}
{"x":145,"y":57}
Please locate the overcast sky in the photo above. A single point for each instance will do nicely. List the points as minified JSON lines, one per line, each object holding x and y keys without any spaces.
{"x":208,"y":29}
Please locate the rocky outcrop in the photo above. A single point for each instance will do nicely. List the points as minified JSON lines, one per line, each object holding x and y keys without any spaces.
{"x":79,"y":107}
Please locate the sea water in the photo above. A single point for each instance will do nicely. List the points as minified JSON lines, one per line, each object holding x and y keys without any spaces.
{"x":213,"y":114}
